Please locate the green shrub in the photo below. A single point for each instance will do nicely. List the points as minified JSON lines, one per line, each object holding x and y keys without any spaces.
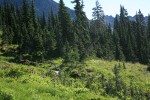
{"x":81,"y":90}
{"x":1,"y":73}
{"x":14,"y":73}
{"x":148,"y":68}
{"x":6,"y":96}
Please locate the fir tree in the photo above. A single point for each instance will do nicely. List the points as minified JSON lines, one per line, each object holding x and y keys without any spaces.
{"x":49,"y":43}
{"x":81,"y":29}
{"x":67,"y":33}
{"x":43,"y":21}
{"x":0,"y":15}
{"x":26,"y":13}
{"x":118,"y":49}
{"x":33,"y":17}
{"x":65,"y":22}
{"x":142,"y":42}
{"x":148,"y":27}
{"x":123,"y":29}
{"x":98,"y":15}
{"x":130,"y":56}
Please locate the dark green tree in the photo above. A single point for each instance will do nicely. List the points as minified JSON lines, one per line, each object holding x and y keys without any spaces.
{"x":116,"y":39}
{"x":43,"y":21}
{"x":0,"y":13}
{"x":81,"y":29}
{"x":98,"y":15}
{"x":49,"y":42}
{"x":33,"y":16}
{"x":26,"y":13}
{"x":123,"y":29}
{"x":148,"y":27}
{"x":68,"y":38}
{"x":118,"y":50}
{"x":7,"y":36}
{"x":65,"y":22}
{"x":130,"y":56}
{"x":142,"y":41}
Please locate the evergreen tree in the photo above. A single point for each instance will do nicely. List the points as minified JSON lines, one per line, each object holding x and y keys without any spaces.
{"x":13,"y":23}
{"x":148,"y":35}
{"x":8,"y":23}
{"x":27,"y":30}
{"x":19,"y":21}
{"x":33,"y":17}
{"x":109,"y":43}
{"x":0,"y":17}
{"x":130,"y":56}
{"x":81,"y":29}
{"x":49,"y":43}
{"x":142,"y":42}
{"x":53,"y":19}
{"x":66,"y":30}
{"x":26,"y":13}
{"x":7,"y":36}
{"x":148,"y":27}
{"x":97,"y":25}
{"x":118,"y":49}
{"x":43,"y":21}
{"x":98,"y":15}
{"x":50,"y":27}
{"x":123,"y":29}
{"x":39,"y":50}
{"x":65,"y":22}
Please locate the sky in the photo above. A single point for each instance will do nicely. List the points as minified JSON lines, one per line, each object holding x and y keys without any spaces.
{"x":112,"y":7}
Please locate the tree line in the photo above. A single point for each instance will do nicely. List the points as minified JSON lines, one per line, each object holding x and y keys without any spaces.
{"x":41,"y":37}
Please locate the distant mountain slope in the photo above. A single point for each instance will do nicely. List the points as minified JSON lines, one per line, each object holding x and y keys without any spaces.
{"x":41,"y":6}
{"x":110,"y":19}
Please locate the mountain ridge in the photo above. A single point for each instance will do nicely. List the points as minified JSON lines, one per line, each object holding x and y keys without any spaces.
{"x":109,"y":19}
{"x":41,"y":6}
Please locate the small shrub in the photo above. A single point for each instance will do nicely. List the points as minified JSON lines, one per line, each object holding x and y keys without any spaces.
{"x":6,"y":96}
{"x":124,"y":66}
{"x":81,"y":90}
{"x":14,"y":73}
{"x":75,"y":74}
{"x":6,"y":66}
{"x":1,"y":73}
{"x":148,"y":68}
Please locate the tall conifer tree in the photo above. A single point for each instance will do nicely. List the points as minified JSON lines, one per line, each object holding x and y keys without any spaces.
{"x":82,"y":29}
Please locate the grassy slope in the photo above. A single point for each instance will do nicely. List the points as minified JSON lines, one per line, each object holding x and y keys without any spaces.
{"x":136,"y":72}
{"x":32,"y":82}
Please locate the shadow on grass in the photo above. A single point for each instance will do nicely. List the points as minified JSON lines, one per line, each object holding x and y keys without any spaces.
{"x":12,"y":55}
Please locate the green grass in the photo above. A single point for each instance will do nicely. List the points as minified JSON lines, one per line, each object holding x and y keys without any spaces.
{"x":26,"y":82}
{"x":133,"y":72}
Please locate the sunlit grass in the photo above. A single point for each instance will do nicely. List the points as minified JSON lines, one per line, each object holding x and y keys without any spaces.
{"x":136,"y":72}
{"x":33,"y":83}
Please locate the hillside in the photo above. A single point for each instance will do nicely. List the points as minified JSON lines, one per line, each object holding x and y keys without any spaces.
{"x":41,"y":6}
{"x":93,"y":79}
